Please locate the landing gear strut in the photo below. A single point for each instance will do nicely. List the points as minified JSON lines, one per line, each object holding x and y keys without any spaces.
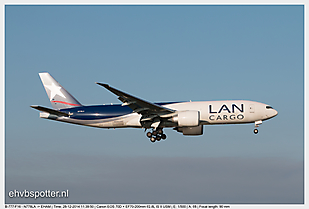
{"x":156,"y":135}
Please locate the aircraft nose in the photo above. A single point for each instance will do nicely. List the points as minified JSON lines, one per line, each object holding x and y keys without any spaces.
{"x":270,"y":112}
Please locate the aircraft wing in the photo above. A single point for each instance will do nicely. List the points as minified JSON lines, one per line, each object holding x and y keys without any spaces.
{"x":138,"y":105}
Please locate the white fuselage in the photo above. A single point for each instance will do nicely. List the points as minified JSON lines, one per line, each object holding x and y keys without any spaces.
{"x":211,"y":112}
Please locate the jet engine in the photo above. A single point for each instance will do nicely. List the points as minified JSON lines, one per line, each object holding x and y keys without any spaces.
{"x":190,"y":131}
{"x":187,"y":118}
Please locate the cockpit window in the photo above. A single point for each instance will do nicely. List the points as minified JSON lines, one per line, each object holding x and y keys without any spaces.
{"x":269,"y":107}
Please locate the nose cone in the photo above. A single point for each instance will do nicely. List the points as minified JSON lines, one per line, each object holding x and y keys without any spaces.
{"x":275,"y":113}
{"x":270,"y":112}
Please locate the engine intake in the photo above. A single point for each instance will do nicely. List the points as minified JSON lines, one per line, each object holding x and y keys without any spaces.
{"x":188,"y":118}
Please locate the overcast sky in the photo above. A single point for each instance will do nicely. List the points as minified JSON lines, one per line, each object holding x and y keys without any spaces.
{"x":158,"y":53}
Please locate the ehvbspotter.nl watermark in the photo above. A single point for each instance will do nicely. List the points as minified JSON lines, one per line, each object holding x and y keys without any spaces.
{"x":39,"y":194}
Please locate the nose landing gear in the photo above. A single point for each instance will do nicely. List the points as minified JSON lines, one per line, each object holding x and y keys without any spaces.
{"x":156,"y":135}
{"x":257,"y":124}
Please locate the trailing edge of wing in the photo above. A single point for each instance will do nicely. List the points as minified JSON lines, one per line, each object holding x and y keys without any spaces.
{"x":136,"y":104}
{"x":51,"y":111}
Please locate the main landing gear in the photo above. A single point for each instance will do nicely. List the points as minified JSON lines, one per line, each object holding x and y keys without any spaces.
{"x":156,"y":135}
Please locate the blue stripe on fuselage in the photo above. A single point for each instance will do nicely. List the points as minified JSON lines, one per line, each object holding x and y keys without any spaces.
{"x":97,"y":112}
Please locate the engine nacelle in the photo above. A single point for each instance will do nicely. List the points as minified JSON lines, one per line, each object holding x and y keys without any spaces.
{"x":188,"y":118}
{"x":191,"y":131}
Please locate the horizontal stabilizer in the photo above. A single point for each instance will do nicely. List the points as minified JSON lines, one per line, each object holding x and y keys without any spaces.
{"x":51,"y":111}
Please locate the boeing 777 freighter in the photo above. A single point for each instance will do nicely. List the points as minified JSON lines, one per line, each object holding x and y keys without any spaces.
{"x":185,"y":117}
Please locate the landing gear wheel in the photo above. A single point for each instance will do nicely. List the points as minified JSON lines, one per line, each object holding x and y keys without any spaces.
{"x":255,"y":131}
{"x":149,"y":134}
{"x":152,"y":139}
{"x":163,"y":136}
{"x":156,"y":135}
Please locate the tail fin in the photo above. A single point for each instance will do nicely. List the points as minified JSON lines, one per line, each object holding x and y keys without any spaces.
{"x":57,"y":95}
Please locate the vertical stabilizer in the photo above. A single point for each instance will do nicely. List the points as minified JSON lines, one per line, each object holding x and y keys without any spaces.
{"x":57,"y":95}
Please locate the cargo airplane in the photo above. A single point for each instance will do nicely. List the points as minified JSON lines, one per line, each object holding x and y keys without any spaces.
{"x":187,"y":118}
